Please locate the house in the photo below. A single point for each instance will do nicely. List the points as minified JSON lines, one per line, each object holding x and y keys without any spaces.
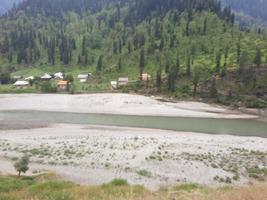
{"x":59,"y":76}
{"x":17,"y":77}
{"x":21,"y":84}
{"x":62,"y":85}
{"x":113,"y":84}
{"x":123,"y":81}
{"x":46,"y":77}
{"x":30,"y":78}
{"x":84,"y":77}
{"x":145,"y":77}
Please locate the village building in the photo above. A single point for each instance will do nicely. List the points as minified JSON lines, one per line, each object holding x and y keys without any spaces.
{"x":123,"y":81}
{"x":84,"y":77}
{"x":113,"y":84}
{"x":17,"y":77}
{"x":30,"y":78}
{"x":59,"y":76}
{"x":46,"y":77}
{"x":145,"y":77}
{"x":62,"y":85}
{"x":21,"y":84}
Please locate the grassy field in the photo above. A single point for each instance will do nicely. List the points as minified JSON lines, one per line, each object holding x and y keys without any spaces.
{"x":46,"y":187}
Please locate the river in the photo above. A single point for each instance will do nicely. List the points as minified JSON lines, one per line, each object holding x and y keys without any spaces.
{"x":240,"y":127}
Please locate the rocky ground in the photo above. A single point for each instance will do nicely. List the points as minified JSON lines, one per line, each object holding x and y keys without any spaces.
{"x":97,"y":154}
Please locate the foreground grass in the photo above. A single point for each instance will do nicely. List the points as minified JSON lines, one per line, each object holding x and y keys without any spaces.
{"x":45,"y":187}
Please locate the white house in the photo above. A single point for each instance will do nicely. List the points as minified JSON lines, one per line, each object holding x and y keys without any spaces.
{"x":113,"y":84}
{"x":46,"y":77}
{"x":17,"y":77}
{"x":59,"y":76}
{"x":21,"y":84}
{"x":123,"y":81}
{"x":84,"y":77}
{"x":29,"y":78}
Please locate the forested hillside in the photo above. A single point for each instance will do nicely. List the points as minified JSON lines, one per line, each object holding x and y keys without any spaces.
{"x":256,"y":9}
{"x":182,"y":42}
{"x":6,"y":5}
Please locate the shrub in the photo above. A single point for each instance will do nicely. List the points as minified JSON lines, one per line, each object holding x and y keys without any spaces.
{"x":8,"y":184}
{"x":22,"y":164}
{"x":47,"y":87}
{"x":119,"y":182}
{"x":185,"y":90}
{"x":144,"y":173}
{"x":52,"y":190}
{"x":186,"y":187}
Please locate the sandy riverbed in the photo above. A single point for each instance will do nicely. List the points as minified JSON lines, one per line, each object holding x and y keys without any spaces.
{"x":125,"y":104}
{"x":97,"y":154}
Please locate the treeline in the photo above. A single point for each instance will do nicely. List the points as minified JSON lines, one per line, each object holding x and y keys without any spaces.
{"x":253,"y":8}
{"x":25,"y":41}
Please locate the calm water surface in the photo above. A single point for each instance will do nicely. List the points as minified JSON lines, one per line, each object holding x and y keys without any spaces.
{"x":242,"y":127}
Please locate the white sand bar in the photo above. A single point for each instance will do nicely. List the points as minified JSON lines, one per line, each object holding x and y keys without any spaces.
{"x":125,"y":104}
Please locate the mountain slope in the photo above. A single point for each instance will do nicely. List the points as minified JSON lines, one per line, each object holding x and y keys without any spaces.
{"x":255,"y":9}
{"x":6,"y":5}
{"x":184,"y":41}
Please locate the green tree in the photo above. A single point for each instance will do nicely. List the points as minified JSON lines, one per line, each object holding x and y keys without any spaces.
{"x":159,"y":79}
{"x":69,"y":78}
{"x":5,"y":78}
{"x":119,"y":65}
{"x":257,"y":59}
{"x":99,"y":66}
{"x":196,"y":78}
{"x":218,"y":62}
{"x":142,"y":61}
{"x":21,"y":165}
{"x":213,"y":88}
{"x":172,"y":79}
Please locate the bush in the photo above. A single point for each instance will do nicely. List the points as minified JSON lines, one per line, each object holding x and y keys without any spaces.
{"x":185,"y":90}
{"x":119,"y":182}
{"x":47,"y":87}
{"x":5,"y":78}
{"x":144,"y":173}
{"x":55,"y":190}
{"x":256,"y":103}
{"x":22,"y":164}
{"x":8,"y":184}
{"x":186,"y":187}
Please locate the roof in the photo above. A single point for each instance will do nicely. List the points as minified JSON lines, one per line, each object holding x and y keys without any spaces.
{"x":123,"y":79}
{"x":46,"y":76}
{"x":84,"y":76}
{"x":17,"y":77}
{"x":29,"y":78}
{"x":21,"y":83}
{"x":62,"y":83}
{"x":145,"y":76}
{"x":59,"y":75}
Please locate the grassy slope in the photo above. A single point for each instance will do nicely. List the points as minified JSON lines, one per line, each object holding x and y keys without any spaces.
{"x":45,"y":187}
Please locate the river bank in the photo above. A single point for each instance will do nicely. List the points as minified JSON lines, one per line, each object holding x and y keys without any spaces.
{"x":96,"y":154}
{"x":149,"y":157}
{"x":121,"y":104}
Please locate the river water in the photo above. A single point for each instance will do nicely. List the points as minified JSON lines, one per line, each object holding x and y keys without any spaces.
{"x":240,"y":127}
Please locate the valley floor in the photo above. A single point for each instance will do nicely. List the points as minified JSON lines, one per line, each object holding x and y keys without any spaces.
{"x":89,"y":154}
{"x":153,"y":158}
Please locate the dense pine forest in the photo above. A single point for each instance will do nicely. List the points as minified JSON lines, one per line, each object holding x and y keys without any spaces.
{"x":191,"y":48}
